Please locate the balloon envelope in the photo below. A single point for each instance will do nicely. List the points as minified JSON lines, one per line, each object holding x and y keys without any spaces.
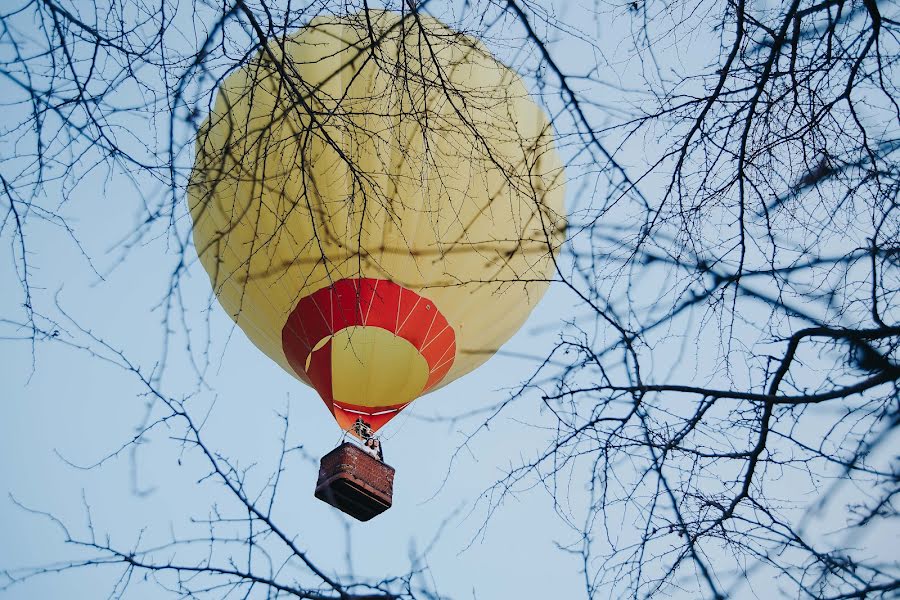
{"x":378,"y":203}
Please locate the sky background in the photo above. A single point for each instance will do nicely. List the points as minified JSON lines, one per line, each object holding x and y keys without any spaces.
{"x":64,"y":407}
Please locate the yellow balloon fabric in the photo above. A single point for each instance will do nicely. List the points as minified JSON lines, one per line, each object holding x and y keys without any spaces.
{"x":378,"y":203}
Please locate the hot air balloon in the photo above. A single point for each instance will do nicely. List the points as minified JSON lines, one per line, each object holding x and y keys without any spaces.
{"x":378,"y":202}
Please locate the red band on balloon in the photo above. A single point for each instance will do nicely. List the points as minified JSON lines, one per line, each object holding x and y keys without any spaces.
{"x":372,"y":303}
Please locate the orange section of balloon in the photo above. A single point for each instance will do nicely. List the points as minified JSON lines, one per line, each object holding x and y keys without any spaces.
{"x":313,"y":346}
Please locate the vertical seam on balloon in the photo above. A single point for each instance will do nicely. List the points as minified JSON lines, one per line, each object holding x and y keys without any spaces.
{"x":430,"y":325}
{"x":438,"y":363}
{"x":409,"y":315}
{"x":448,"y":361}
{"x":399,"y":302}
{"x":436,"y":336}
{"x":331,"y":308}
{"x":357,"y":288}
{"x":395,"y":157}
{"x":321,"y":314}
{"x":371,"y":301}
{"x":305,"y":338}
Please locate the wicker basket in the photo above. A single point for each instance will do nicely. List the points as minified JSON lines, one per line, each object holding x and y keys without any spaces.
{"x":355,"y":482}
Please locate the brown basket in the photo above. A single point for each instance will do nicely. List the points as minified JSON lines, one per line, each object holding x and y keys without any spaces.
{"x":354,"y":482}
